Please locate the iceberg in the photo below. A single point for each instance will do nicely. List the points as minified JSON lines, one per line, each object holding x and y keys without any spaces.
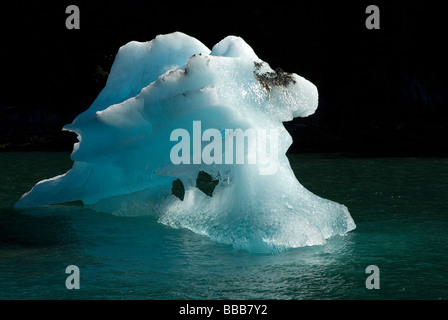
{"x":173,"y":110}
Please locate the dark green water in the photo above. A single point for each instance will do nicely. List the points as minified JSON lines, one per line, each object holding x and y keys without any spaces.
{"x":400,"y":206}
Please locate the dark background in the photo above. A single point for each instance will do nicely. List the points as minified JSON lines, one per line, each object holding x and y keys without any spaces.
{"x":381,"y":92}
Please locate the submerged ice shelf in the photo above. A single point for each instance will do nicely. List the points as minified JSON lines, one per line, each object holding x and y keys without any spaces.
{"x":173,"y":109}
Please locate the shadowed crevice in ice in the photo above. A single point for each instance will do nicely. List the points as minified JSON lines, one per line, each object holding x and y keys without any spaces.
{"x":122,"y":162}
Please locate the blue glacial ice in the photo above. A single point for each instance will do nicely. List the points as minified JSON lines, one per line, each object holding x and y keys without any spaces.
{"x":123,"y":162}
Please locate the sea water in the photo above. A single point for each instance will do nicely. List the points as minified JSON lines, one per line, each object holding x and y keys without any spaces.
{"x":400,"y":207}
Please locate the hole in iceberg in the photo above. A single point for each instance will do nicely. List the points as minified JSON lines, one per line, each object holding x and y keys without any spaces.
{"x":206,"y":183}
{"x":178,"y":189}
